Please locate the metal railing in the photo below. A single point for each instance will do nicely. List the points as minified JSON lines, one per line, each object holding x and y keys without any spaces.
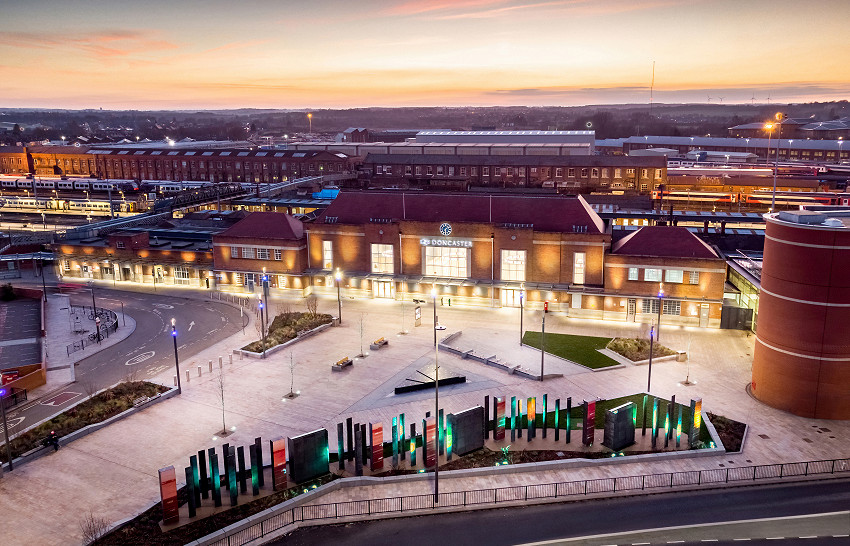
{"x":108,"y":325}
{"x":524,"y":493}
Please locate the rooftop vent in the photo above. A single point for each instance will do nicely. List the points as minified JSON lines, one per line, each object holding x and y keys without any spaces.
{"x":833,"y":222}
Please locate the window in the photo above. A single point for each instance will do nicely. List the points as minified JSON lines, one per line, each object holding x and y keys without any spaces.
{"x":248,"y":278}
{"x":430,"y":170}
{"x":510,"y":171}
{"x":513,"y":265}
{"x":594,"y":173}
{"x":618,"y":173}
{"x":584,"y":173}
{"x":234,"y":252}
{"x":277,"y":254}
{"x":327,"y":255}
{"x":473,"y":171}
{"x":485,"y":171}
{"x":66,"y":265}
{"x":650,"y":306}
{"x":446,"y":261}
{"x":262,"y":254}
{"x":571,"y":173}
{"x":382,"y":259}
{"x":578,"y":267}
{"x":439,"y":170}
{"x":658,"y":174}
{"x":652,"y":275}
{"x":604,"y":173}
{"x":181,"y":275}
{"x":418,"y":170}
{"x":248,"y":252}
{"x":674,"y":275}
{"x":672,"y":307}
{"x":463,"y":171}
{"x":281,"y":281}
{"x":451,"y":171}
{"x":119,"y":244}
{"x":559,"y":172}
{"x":693,"y":277}
{"x":644,"y":173}
{"x":408,"y":170}
{"x":633,"y":274}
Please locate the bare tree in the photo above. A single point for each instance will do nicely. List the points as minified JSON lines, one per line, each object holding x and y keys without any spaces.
{"x":89,"y":387}
{"x":291,"y":376}
{"x":133,"y":374}
{"x":221,"y":399}
{"x":362,"y":328}
{"x":312,"y":303}
{"x":93,"y":528}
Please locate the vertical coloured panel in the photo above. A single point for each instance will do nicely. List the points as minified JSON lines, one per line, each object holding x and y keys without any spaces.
{"x":243,"y":475}
{"x":449,"y":436}
{"x":231,"y":476}
{"x":278,"y":450}
{"x":215,"y":473}
{"x":569,"y":424}
{"x":654,"y":431}
{"x":196,"y":479}
{"x":557,"y":418}
{"x":589,"y":425}
{"x":412,"y":445}
{"x":395,"y":442}
{"x":545,"y":411}
{"x":696,"y":420}
{"x":500,"y":419}
{"x":430,"y":440}
{"x":168,"y":494}
{"x":358,"y":449}
{"x":340,"y":446}
{"x":377,"y":447}
{"x":202,"y":467}
{"x":190,"y":492}
{"x":402,"y":445}
{"x":255,"y":481}
{"x":258,"y":441}
{"x":487,"y":417}
{"x":349,"y":428}
{"x":513,"y":418}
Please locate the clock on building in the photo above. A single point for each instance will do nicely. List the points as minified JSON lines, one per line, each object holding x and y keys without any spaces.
{"x":445,"y":229}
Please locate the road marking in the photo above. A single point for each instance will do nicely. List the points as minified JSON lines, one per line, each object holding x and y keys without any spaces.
{"x":741,"y":539}
{"x":190,"y":326}
{"x":163,"y":306}
{"x":222,"y":319}
{"x":709,"y":540}
{"x":61,"y":398}
{"x":138,"y":359}
{"x":812,"y":536}
{"x":774,"y":538}
{"x":840,"y":536}
{"x":675,"y":541}
{"x":12,"y":423}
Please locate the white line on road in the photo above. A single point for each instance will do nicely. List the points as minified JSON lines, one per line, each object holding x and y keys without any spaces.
{"x":138,"y":359}
{"x":190,"y":325}
{"x":774,"y":538}
{"x":812,"y":536}
{"x":738,"y":539}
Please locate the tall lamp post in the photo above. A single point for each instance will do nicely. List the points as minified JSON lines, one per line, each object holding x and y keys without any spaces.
{"x":660,"y":305}
{"x":338,"y":278}
{"x":437,"y":326}
{"x":6,"y":428}
{"x":266,"y":293}
{"x":543,"y":340}
{"x":521,"y":309}
{"x":176,"y":359}
{"x":262,"y":323}
{"x":649,"y":374}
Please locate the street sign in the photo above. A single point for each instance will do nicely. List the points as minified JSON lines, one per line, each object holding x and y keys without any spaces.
{"x":417,"y":314}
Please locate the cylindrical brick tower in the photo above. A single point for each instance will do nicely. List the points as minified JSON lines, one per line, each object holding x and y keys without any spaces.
{"x":801,"y":361}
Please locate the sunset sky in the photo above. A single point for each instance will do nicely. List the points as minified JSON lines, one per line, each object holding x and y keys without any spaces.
{"x":349,"y":53}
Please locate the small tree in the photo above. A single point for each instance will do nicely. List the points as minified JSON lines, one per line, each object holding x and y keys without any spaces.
{"x":291,"y":376}
{"x":362,"y":328}
{"x":312,"y":303}
{"x":93,"y":528}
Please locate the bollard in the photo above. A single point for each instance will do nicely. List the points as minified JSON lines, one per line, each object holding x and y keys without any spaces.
{"x":220,"y":361}
{"x":241,"y":355}
{"x":175,"y":380}
{"x":187,"y":376}
{"x":199,"y":370}
{"x":231,"y":358}
{"x":210,"y":366}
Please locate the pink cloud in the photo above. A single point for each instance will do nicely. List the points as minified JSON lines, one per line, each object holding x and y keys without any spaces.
{"x":108,"y":44}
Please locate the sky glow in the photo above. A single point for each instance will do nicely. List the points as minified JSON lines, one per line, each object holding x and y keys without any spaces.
{"x":335,"y":54}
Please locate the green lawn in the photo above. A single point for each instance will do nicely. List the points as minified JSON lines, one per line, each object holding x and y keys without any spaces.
{"x":580,"y":349}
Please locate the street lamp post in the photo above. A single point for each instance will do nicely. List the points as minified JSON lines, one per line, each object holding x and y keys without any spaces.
{"x":542,"y":343}
{"x":262,"y":324}
{"x":437,"y":326}
{"x":176,"y":359}
{"x":6,"y":428}
{"x":649,"y":374}
{"x":310,"y":120}
{"x":521,"y":309}
{"x":338,"y":278}
{"x":266,"y":294}
{"x":660,"y":305}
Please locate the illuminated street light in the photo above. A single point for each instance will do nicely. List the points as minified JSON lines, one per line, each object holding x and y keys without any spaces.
{"x":176,"y":360}
{"x":338,"y":278}
{"x":310,"y":119}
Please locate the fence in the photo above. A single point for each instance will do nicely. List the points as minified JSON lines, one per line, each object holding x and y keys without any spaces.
{"x":108,"y":325}
{"x":523,"y":493}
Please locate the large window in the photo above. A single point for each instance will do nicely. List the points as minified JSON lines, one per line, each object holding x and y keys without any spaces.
{"x":262,"y":254}
{"x":652,"y":275}
{"x":633,"y":274}
{"x":650,"y":306}
{"x":578,"y":267}
{"x":693,"y":277}
{"x":672,"y":307}
{"x":234,"y":252}
{"x":181,"y":275}
{"x":327,"y":255}
{"x":446,"y":261}
{"x":513,"y":265}
{"x":248,"y":252}
{"x":674,"y":275}
{"x":382,"y":259}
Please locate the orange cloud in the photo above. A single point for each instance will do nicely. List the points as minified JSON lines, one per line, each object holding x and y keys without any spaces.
{"x":115,"y":43}
{"x":418,"y":6}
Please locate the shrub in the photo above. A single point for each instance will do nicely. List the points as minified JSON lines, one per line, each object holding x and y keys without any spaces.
{"x":286,"y":326}
{"x":7,"y":293}
{"x":638,"y":349}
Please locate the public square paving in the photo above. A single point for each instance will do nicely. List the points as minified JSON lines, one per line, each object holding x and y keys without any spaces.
{"x":113,"y":472}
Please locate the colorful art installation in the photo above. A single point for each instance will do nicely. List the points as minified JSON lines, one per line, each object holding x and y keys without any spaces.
{"x":308,"y":456}
{"x":679,"y":427}
{"x":589,"y":425}
{"x":358,"y":450}
{"x":468,"y":430}
{"x":202,"y":466}
{"x":513,"y":419}
{"x":569,"y":417}
{"x":168,"y":495}
{"x":196,"y":479}
{"x":255,"y":471}
{"x":278,"y":451}
{"x":557,"y":417}
{"x":449,"y":436}
{"x":242,"y":475}
{"x":487,"y":426}
{"x":259,"y":443}
{"x":231,"y":476}
{"x":431,"y":441}
{"x":696,"y":423}
{"x":190,"y":493}
{"x":377,"y":462}
{"x":412,"y":445}
{"x":402,"y":446}
{"x":215,"y":474}
{"x":340,"y":449}
{"x":531,"y":411}
{"x":654,"y":431}
{"x":545,"y":412}
{"x":619,"y":427}
{"x":395,"y":441}
{"x":499,"y":434}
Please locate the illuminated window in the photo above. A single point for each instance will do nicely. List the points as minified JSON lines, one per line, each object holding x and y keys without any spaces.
{"x":473,"y":171}
{"x":559,"y":172}
{"x":671,"y":307}
{"x":594,"y":173}
{"x":277,"y":254}
{"x":674,"y":275}
{"x":382,"y":259}
{"x":66,"y":265}
{"x":652,"y":275}
{"x":327,"y":255}
{"x":584,"y":173}
{"x":644,"y":173}
{"x":439,"y":170}
{"x":693,"y":277}
{"x":262,"y":254}
{"x":408,"y":170}
{"x":248,"y":252}
{"x":604,"y":173}
{"x":633,"y":274}
{"x":234,"y":252}
{"x":571,"y":173}
{"x":650,"y":306}
{"x":446,"y":261}
{"x":578,"y":267}
{"x":248,"y":278}
{"x":281,"y":281}
{"x":451,"y":171}
{"x":513,"y":265}
{"x":658,"y":174}
{"x":418,"y":170}
{"x":181,"y":275}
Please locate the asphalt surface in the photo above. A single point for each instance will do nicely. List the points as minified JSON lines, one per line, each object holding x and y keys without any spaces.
{"x":551,"y":522}
{"x":20,"y":331}
{"x":146,"y":352}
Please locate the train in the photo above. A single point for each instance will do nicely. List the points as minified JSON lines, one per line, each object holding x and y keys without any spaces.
{"x":39,"y":204}
{"x":760,"y":198}
{"x":78,"y":184}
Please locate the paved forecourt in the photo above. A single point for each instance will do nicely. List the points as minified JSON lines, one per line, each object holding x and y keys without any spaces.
{"x":113,"y":472}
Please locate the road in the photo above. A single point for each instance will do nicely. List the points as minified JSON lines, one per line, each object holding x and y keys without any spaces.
{"x":148,"y":351}
{"x":607,"y":517}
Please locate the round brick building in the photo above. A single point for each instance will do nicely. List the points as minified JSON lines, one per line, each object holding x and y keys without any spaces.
{"x":801,"y":362}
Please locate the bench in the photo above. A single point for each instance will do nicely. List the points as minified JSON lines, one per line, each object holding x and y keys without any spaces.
{"x":341,"y":363}
{"x":378,"y":343}
{"x":141,"y":401}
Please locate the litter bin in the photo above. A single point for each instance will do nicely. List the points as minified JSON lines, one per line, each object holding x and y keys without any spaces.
{"x":681,"y":356}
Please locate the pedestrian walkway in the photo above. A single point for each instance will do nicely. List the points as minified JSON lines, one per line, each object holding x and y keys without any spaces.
{"x":113,"y":473}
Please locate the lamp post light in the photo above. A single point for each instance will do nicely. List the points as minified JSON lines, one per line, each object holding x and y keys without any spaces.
{"x":310,"y":120}
{"x":521,"y":309}
{"x":434,"y":298}
{"x":649,"y":373}
{"x":6,"y":427}
{"x":543,"y":340}
{"x":437,"y":326}
{"x":338,"y":278}
{"x":176,"y":359}
{"x":266,"y":293}
{"x":262,"y":323}
{"x":660,"y":305}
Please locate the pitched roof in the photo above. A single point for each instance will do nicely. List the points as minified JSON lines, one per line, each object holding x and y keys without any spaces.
{"x":515,"y":160}
{"x":266,"y":225}
{"x":553,"y":213}
{"x":663,"y":241}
